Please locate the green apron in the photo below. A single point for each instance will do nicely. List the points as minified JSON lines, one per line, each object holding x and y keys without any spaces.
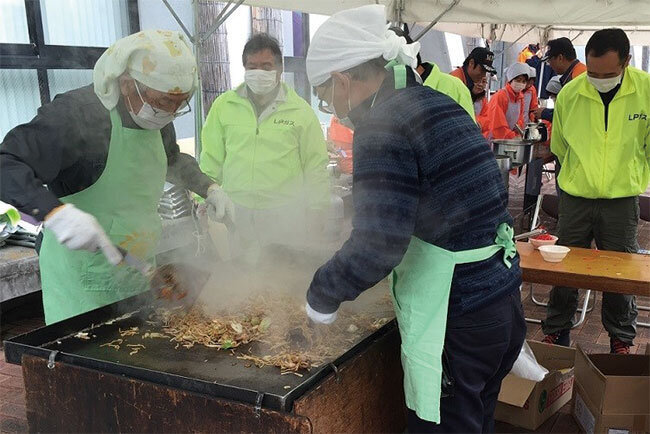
{"x":420,"y":289}
{"x":125,"y":202}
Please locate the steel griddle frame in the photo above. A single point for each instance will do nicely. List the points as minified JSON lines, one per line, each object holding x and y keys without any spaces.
{"x":33,"y":343}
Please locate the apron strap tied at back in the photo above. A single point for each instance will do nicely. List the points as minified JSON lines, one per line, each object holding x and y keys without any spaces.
{"x":505,"y":239}
{"x":399,"y":71}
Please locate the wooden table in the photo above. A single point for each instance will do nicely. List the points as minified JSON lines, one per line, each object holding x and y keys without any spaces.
{"x":599,"y":270}
{"x":624,"y":273}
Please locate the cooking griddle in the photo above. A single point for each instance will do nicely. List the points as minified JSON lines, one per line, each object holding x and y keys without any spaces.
{"x":197,"y":369}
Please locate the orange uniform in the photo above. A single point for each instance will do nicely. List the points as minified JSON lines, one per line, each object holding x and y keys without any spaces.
{"x":525,"y":54}
{"x":504,"y":111}
{"x":480,"y":105}
{"x":341,"y":138}
{"x":578,"y":69}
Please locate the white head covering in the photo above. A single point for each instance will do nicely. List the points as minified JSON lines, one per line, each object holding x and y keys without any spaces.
{"x":554,"y":86}
{"x":517,"y":69}
{"x":159,"y":59}
{"x":352,"y":37}
{"x":533,"y":72}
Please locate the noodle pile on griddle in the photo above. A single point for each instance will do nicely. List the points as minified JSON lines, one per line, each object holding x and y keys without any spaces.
{"x":276,"y":326}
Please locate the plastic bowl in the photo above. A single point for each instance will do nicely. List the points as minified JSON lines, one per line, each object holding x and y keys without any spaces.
{"x":554,"y":253}
{"x":538,"y":243}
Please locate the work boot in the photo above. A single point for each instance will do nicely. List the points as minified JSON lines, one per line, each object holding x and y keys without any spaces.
{"x":562,"y":337}
{"x":617,"y":346}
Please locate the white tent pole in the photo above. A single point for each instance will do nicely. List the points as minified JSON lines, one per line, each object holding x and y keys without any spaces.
{"x":577,"y":36}
{"x":198,"y":96}
{"x":541,"y":79}
{"x":514,"y":42}
{"x":220,"y":14}
{"x":178,"y":20}
{"x":399,"y":8}
{"x":221,"y":19}
{"x":435,"y":20}
{"x":198,"y":39}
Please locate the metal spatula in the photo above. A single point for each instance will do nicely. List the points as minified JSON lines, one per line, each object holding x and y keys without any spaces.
{"x":143,"y":267}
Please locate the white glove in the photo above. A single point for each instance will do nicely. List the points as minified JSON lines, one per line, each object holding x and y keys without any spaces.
{"x":220,"y":207}
{"x":320,"y":318}
{"x":78,"y":230}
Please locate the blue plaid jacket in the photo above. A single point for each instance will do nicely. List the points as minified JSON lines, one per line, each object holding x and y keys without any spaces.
{"x":421,"y":168}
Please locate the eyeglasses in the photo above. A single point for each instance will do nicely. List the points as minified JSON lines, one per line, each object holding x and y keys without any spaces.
{"x":326,"y":107}
{"x":183,"y":109}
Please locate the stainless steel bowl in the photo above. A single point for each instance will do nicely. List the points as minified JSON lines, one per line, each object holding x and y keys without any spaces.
{"x":504,"y":163}
{"x":520,"y":152}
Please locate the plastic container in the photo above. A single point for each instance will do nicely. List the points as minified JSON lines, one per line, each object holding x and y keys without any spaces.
{"x":538,"y":243}
{"x":554,"y":253}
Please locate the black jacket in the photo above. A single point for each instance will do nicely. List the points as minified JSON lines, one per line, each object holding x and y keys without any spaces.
{"x":66,"y":147}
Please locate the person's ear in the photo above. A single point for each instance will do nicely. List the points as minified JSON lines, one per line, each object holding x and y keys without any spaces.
{"x":627,"y":62}
{"x":340,"y":81}
{"x":126,"y":85}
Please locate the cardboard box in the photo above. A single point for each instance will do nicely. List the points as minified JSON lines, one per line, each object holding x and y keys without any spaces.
{"x":612,"y":393}
{"x":526,"y":403}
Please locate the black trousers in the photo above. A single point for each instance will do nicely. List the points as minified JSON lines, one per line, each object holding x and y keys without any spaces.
{"x":482,"y":346}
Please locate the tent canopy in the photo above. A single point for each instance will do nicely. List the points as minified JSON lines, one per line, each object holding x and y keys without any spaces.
{"x":505,"y":20}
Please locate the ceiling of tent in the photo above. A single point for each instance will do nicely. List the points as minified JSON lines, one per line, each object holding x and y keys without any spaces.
{"x":576,"y":19}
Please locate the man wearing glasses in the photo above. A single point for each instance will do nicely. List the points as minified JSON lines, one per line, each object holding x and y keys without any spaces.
{"x":104,"y":152}
{"x":264,"y":145}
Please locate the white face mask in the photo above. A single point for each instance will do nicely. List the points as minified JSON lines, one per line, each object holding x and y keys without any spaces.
{"x":147,"y":117}
{"x":517,"y":87}
{"x":604,"y":85}
{"x":261,"y":82}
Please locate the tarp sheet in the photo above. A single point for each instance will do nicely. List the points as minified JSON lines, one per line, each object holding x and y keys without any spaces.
{"x":542,"y":19}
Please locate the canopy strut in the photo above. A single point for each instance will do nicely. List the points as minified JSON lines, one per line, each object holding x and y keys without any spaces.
{"x":435,"y":20}
{"x":178,"y":20}
{"x":221,"y":18}
{"x":577,"y":36}
{"x":198,"y":39}
{"x":514,"y":42}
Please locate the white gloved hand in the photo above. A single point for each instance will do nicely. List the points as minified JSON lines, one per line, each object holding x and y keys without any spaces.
{"x":320,"y":318}
{"x":220,"y":207}
{"x":78,"y":230}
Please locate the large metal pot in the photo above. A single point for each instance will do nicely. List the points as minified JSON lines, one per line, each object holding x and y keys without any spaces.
{"x":519,"y":151}
{"x":504,"y":163}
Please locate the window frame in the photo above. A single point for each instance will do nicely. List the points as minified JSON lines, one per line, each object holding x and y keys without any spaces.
{"x":42,"y":57}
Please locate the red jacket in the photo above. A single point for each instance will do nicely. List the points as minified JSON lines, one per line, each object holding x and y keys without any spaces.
{"x":482,"y":114}
{"x":498,"y":127}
